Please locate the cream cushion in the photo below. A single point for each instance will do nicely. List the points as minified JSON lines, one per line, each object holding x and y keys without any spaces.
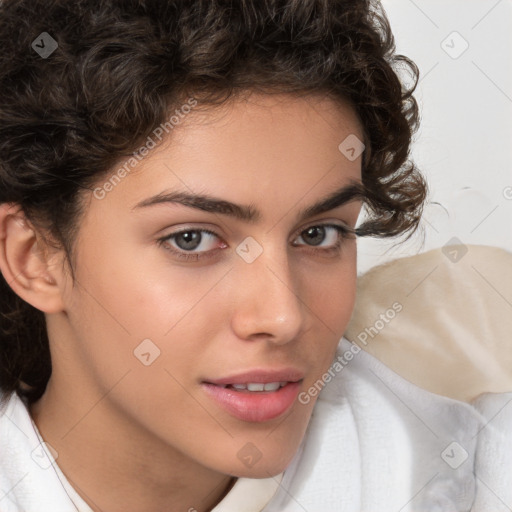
{"x":441,"y":319}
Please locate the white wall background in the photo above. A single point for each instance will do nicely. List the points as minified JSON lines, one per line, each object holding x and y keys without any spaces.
{"x":464,"y":145}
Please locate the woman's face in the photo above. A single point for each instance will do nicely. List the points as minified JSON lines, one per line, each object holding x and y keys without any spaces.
{"x":176,"y":300}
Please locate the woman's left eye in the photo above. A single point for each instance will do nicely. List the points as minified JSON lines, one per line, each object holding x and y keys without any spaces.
{"x":316,"y":235}
{"x":195,"y":244}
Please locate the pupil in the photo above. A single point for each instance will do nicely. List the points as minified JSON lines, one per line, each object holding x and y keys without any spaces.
{"x":190,"y":239}
{"x":316,"y":235}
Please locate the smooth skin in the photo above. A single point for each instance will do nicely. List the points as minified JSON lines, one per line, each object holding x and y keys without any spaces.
{"x":135,"y":437}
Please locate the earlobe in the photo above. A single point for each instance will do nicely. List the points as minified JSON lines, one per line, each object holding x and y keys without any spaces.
{"x":25,"y":261}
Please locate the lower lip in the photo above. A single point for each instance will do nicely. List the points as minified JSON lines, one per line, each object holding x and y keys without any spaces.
{"x":255,"y":406}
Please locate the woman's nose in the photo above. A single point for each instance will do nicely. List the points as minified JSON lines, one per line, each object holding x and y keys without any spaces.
{"x":268,"y":304}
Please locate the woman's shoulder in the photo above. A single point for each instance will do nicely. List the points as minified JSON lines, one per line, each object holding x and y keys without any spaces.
{"x":29,"y":476}
{"x":394,"y":432}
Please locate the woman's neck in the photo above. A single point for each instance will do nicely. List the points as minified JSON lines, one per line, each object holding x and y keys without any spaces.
{"x":115,"y":466}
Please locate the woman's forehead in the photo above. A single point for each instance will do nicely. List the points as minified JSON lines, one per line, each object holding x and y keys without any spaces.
{"x":268,"y":145}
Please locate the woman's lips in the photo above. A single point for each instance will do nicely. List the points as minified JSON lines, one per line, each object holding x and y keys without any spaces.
{"x":256,"y":396}
{"x":255,"y":406}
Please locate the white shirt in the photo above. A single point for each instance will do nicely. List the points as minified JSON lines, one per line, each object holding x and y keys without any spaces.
{"x":375,"y":442}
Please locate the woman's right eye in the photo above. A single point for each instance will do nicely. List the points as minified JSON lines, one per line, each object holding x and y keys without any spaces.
{"x":191,"y":243}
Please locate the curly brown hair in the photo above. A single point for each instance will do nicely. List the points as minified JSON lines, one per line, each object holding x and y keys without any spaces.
{"x":121,"y":66}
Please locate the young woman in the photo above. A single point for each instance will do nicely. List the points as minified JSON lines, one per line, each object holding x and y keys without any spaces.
{"x":180,"y":184}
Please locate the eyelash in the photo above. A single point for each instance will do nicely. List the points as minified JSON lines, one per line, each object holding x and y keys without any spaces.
{"x":343,"y":233}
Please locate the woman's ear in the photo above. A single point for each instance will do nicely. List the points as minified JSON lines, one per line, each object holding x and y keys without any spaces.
{"x":27,"y":263}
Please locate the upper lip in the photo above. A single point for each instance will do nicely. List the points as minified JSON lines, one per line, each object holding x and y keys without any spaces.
{"x":264,"y":376}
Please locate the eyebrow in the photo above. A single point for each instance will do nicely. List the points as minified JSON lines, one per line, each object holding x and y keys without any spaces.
{"x":346,"y":194}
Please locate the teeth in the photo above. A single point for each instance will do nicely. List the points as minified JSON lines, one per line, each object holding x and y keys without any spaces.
{"x":259,"y":386}
{"x":256,"y":387}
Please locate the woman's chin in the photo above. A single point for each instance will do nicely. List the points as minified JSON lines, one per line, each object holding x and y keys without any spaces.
{"x":251,"y":462}
{"x":267,"y":470}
